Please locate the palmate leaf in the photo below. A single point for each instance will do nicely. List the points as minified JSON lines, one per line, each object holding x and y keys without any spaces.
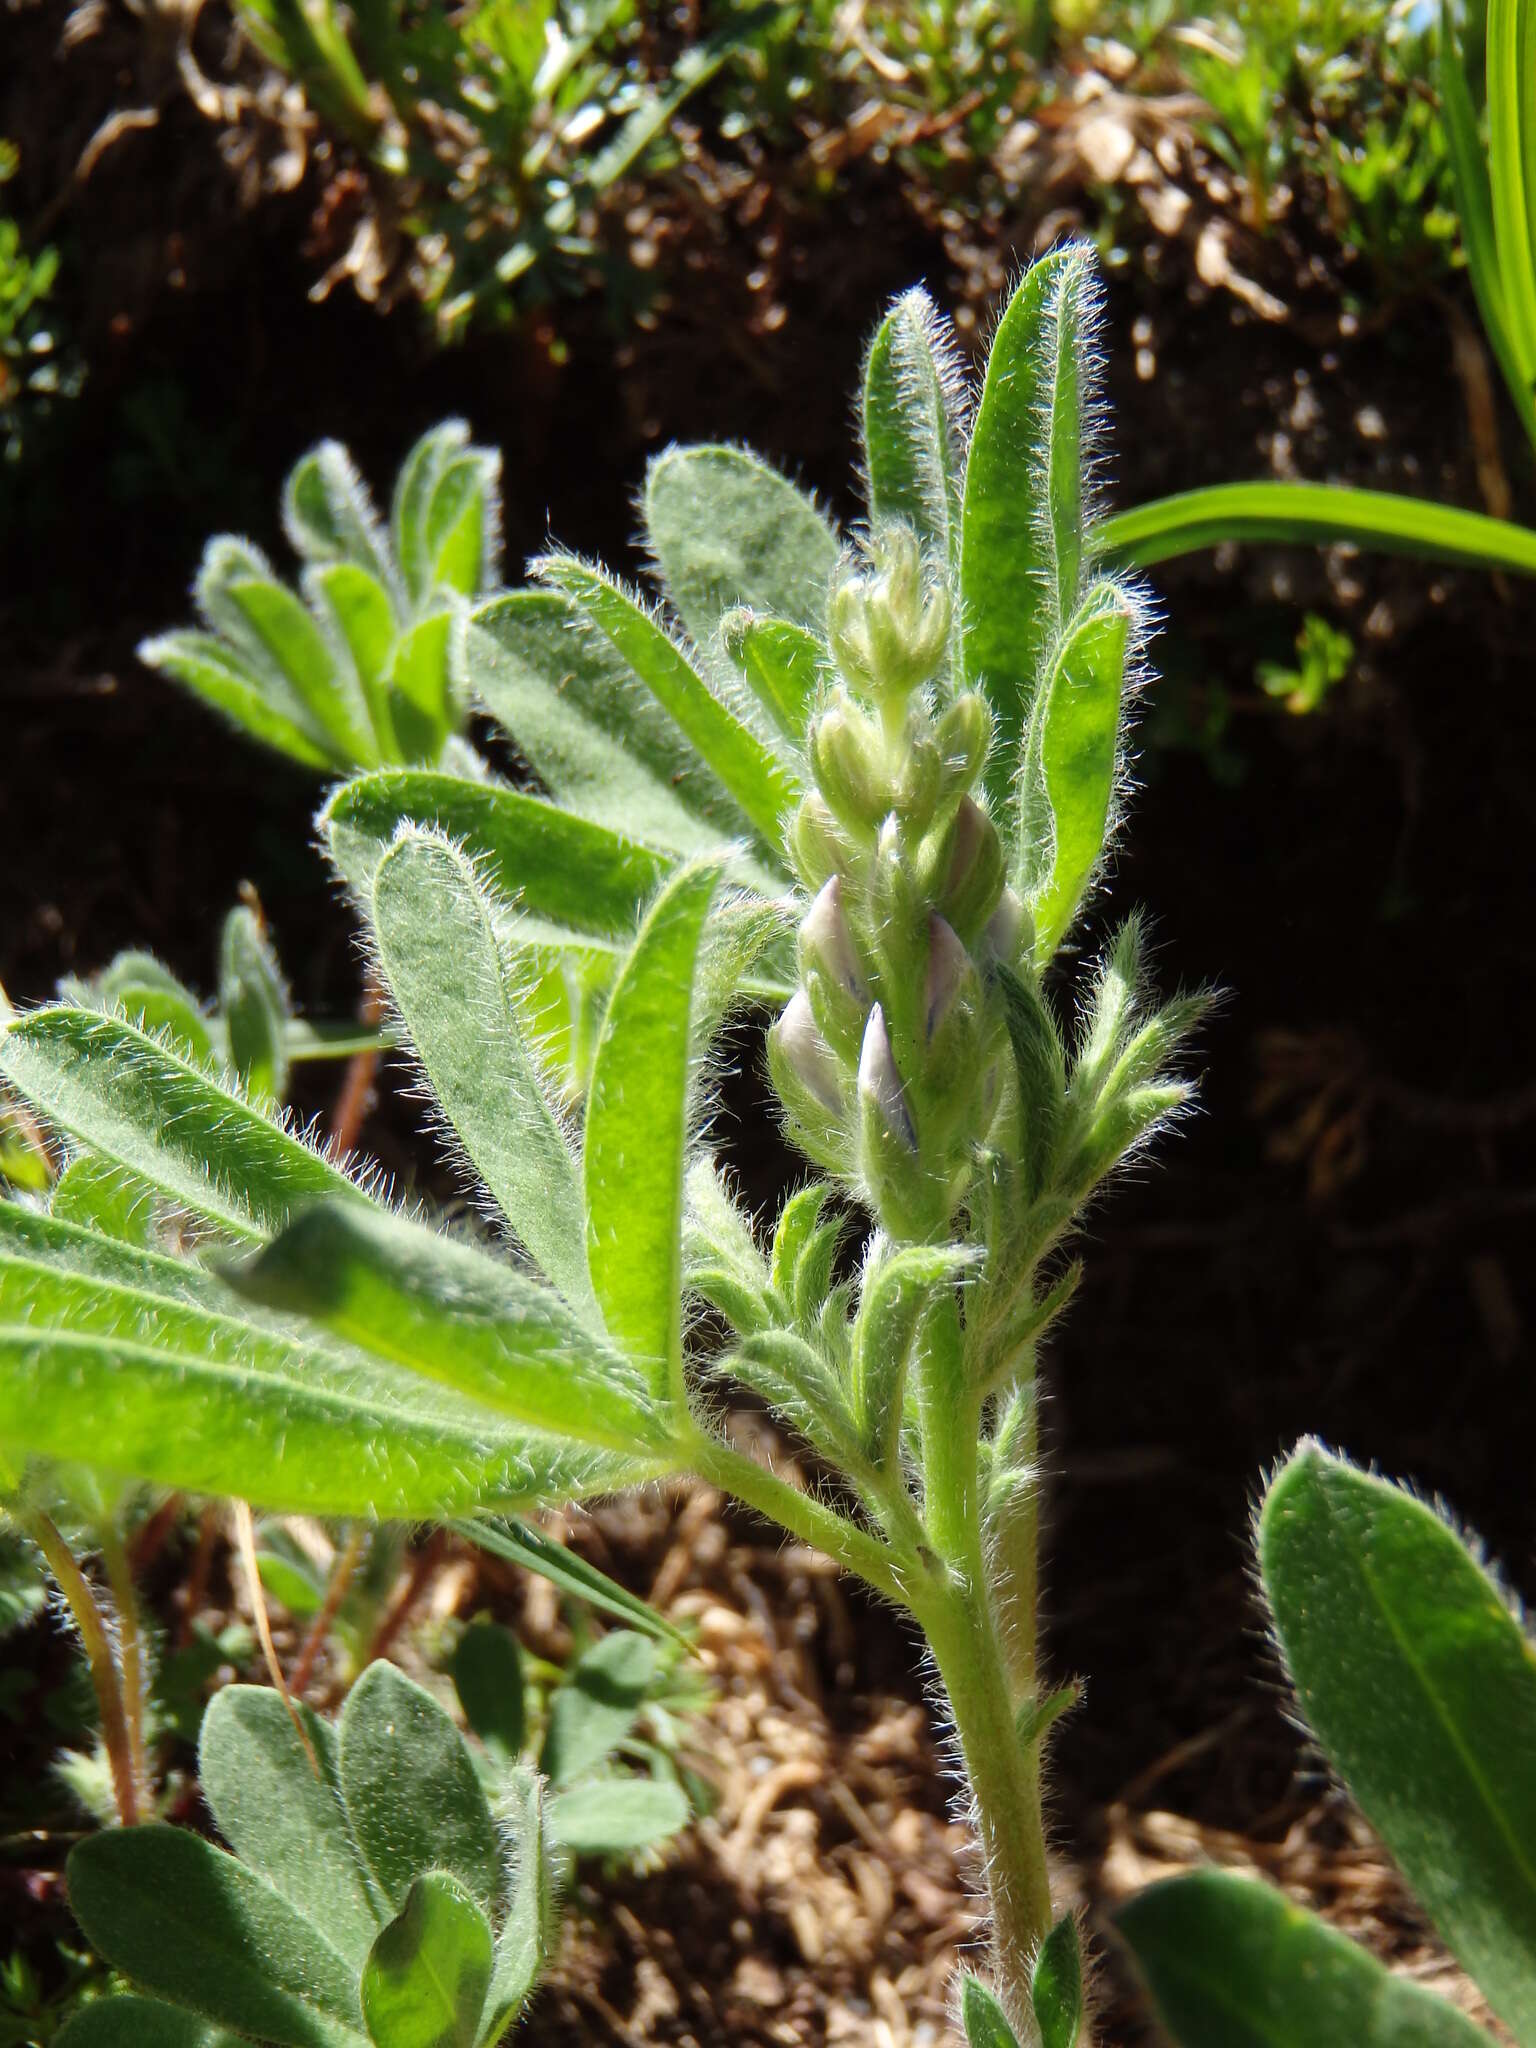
{"x":435,"y":930}
{"x":637,"y":1132}
{"x":1421,"y":1687}
{"x":1232,"y":1963}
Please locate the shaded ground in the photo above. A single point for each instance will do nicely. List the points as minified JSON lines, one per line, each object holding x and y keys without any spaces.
{"x":1339,"y":1243}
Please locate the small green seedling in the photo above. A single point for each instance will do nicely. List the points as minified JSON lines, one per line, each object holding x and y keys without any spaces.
{"x":1419,"y":1683}
{"x":371,"y":1893}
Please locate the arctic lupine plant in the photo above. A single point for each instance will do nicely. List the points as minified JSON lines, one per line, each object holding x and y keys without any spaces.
{"x":866,"y":785}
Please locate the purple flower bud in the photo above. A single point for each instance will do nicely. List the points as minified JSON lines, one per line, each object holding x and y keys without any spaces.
{"x":806,"y":1053}
{"x":1009,"y":929}
{"x":880,"y":1086}
{"x":952,"y":979}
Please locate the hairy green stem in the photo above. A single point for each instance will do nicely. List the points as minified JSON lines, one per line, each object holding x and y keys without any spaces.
{"x":801,"y":1515}
{"x":131,"y":1654}
{"x":1004,"y":1777}
{"x":95,"y":1641}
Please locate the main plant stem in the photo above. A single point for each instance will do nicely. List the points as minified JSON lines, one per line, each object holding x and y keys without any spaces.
{"x":967,"y":1619}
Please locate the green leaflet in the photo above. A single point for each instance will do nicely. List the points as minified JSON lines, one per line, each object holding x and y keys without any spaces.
{"x":214,"y":1426}
{"x":356,"y":609}
{"x":424,"y":1984}
{"x":435,"y":928}
{"x":898,"y":1286}
{"x":488,"y":1678}
{"x":1421,"y":1687}
{"x":783,"y":666}
{"x":601,"y":745}
{"x":1314,"y":513}
{"x":1056,"y":1988}
{"x":760,"y":783}
{"x":616,"y":1816}
{"x":284,"y":1823}
{"x":915,"y":425}
{"x":103,"y":1198}
{"x":572,"y":881}
{"x":189,"y":1923}
{"x":530,"y":1930}
{"x":596,"y":1706}
{"x":128,"y":2022}
{"x":208,"y":668}
{"x":138,"y":987}
{"x":985,"y":2022}
{"x":147,"y":1109}
{"x":637,"y":1133}
{"x":453,"y":1316}
{"x":420,"y":702}
{"x":434,"y":511}
{"x":1021,"y":559}
{"x":328,"y":515}
{"x":411,"y":1790}
{"x":255,"y":1007}
{"x":1068,"y":776}
{"x":727,"y":530}
{"x":1233,"y":1964}
{"x":288,"y":641}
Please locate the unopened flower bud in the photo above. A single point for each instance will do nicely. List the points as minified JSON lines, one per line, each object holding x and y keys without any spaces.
{"x":833,"y":973}
{"x":887,"y":621}
{"x":847,"y":758}
{"x":917,"y":791}
{"x":1010,"y":929}
{"x":880,"y":1085}
{"x":951,"y":1005}
{"x":818,"y":845}
{"x":910,"y":1201}
{"x":965,"y":734}
{"x":963,"y":868}
{"x":809,"y":1083}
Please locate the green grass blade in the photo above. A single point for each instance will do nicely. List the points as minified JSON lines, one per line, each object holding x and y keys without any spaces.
{"x":1017,"y":555}
{"x":601,"y":747}
{"x":435,"y":927}
{"x":567,"y":875}
{"x":203,"y":664}
{"x":521,"y":1545}
{"x":452,"y":1315}
{"x":1474,"y":206}
{"x":915,"y":425}
{"x":727,"y":530}
{"x":759,"y":782}
{"x":1232,"y":1963}
{"x":1421,"y":1687}
{"x":1512,"y":167}
{"x":142,"y":1106}
{"x":637,"y":1133}
{"x":1315,"y":515}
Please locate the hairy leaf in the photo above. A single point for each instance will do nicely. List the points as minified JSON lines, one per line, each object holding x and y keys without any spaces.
{"x":914,"y":425}
{"x":615,"y":1816}
{"x":424,"y":1983}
